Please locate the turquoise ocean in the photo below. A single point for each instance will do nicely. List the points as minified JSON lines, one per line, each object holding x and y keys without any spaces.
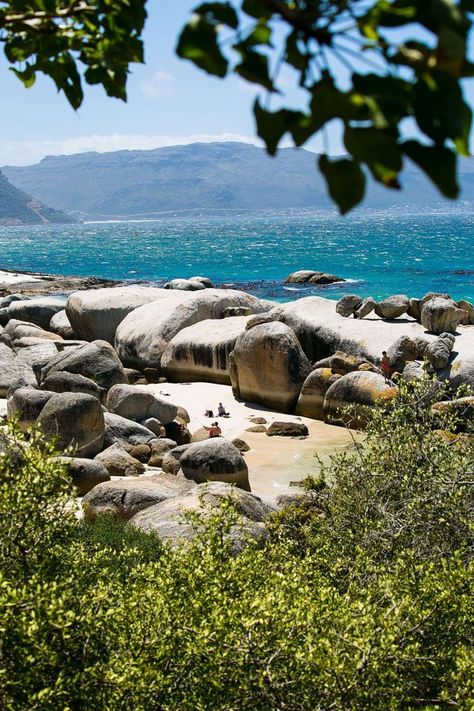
{"x":380,"y":254}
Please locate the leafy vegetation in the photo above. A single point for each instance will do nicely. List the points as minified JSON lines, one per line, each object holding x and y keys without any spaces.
{"x":60,"y":37}
{"x":400,"y":60}
{"x":361,"y":598}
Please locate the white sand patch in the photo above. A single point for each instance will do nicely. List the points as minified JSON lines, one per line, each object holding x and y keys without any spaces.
{"x":273,"y":462}
{"x":17,"y":278}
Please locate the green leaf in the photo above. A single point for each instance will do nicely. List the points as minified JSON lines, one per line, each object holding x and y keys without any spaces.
{"x":328,"y":102}
{"x":439,"y":164}
{"x":379,"y":149}
{"x":254,"y":68}
{"x":392,"y":95}
{"x":272,"y":125}
{"x":198,"y":43}
{"x":345,"y":181}
{"x":222,"y":12}
{"x":257,"y":8}
{"x":298,"y":58}
{"x":440,"y":110}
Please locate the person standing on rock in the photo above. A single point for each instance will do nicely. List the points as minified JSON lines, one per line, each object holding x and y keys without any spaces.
{"x":386,"y":366}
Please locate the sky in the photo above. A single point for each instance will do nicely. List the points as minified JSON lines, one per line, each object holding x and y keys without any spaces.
{"x":170,"y":102}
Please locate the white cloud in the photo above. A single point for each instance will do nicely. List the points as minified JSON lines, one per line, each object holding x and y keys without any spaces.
{"x":159,"y":85}
{"x":29,"y":152}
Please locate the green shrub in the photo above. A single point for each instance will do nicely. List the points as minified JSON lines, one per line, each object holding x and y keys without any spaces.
{"x":362,"y":598}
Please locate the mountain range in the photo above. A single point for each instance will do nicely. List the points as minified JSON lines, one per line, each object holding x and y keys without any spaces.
{"x":204,"y":178}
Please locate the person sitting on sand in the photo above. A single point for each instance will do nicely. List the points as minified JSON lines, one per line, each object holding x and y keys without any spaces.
{"x":209,"y":413}
{"x":221,"y":411}
{"x":386,"y":366}
{"x":214,"y":430}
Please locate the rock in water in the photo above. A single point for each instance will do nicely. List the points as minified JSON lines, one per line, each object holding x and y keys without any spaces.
{"x":313,"y":392}
{"x":136,"y":402}
{"x":393,"y":307}
{"x":268,"y":366}
{"x":348,"y":305}
{"x":95,"y":315}
{"x":356,"y":390}
{"x":215,"y":459}
{"x":97,"y":361}
{"x":74,"y":419}
{"x":441,"y":315}
{"x":126,"y":498}
{"x":306,"y":276}
{"x":185,"y":284}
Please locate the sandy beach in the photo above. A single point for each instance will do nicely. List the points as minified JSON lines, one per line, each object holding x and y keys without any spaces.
{"x":273,"y":462}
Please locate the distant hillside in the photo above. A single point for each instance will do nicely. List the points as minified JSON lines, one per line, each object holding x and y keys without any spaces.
{"x":19,"y":208}
{"x":197,"y":177}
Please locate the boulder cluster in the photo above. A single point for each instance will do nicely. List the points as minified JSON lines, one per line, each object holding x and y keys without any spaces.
{"x":77,"y":366}
{"x":438,"y":313}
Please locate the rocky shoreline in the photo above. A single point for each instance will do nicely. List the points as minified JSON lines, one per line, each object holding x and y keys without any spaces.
{"x":89,"y":368}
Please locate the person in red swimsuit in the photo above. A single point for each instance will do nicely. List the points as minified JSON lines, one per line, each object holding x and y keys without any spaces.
{"x":386,"y":367}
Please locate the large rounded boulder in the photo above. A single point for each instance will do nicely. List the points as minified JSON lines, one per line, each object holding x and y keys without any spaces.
{"x":97,"y":361}
{"x":393,"y":306}
{"x":25,"y":405}
{"x":441,"y":316}
{"x":119,"y":462}
{"x":169,"y":522}
{"x":268,"y":366}
{"x":60,"y":325}
{"x":356,"y":390}
{"x":136,"y":402}
{"x":143,"y":336}
{"x":85,"y":473}
{"x":9,"y":369}
{"x":311,"y":399}
{"x":95,"y":315}
{"x":38,"y":311}
{"x":201,"y":352}
{"x":127,"y":497}
{"x":215,"y":459}
{"x":120,"y":430}
{"x":74,"y":420}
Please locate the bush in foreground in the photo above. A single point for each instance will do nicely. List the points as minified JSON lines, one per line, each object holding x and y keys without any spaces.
{"x":362,"y":599}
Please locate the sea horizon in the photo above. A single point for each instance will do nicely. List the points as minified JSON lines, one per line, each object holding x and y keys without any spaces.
{"x":377,"y":253}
